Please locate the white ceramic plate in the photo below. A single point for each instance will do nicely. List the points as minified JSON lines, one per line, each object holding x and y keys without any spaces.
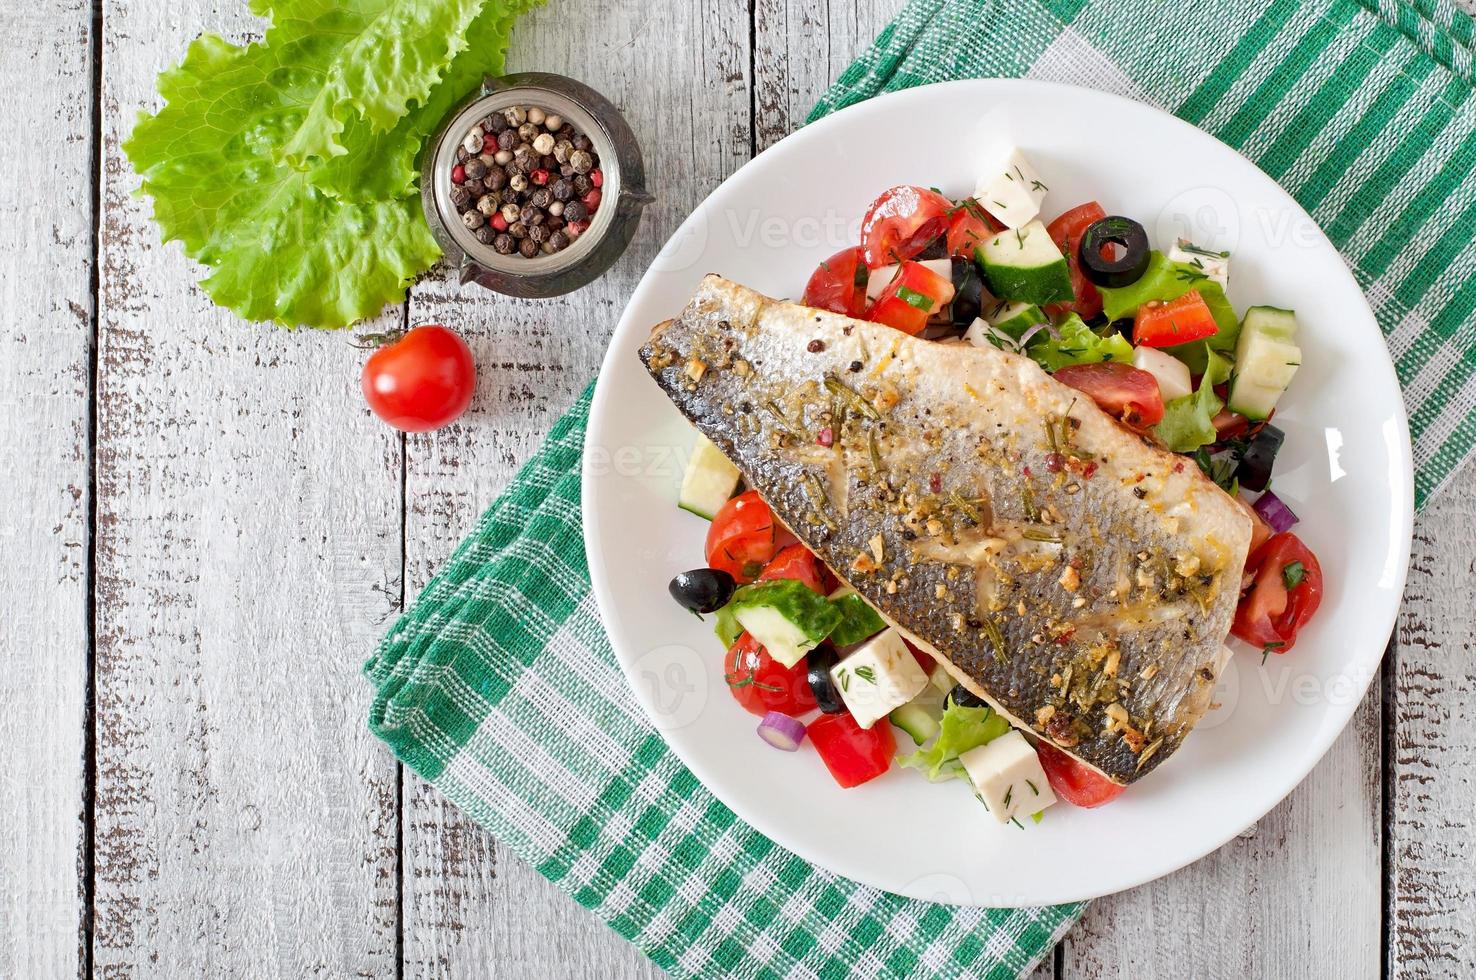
{"x":1345,"y":469}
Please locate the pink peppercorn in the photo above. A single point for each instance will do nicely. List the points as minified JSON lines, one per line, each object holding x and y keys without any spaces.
{"x":539,"y":176}
{"x":826,"y":437}
{"x":597,"y":177}
{"x":499,"y":222}
{"x":591,"y":200}
{"x":458,"y":174}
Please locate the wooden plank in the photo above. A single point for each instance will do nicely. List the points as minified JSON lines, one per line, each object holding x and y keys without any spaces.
{"x":1432,"y":726}
{"x":248,"y":558}
{"x":679,"y":72}
{"x":1296,"y":896}
{"x":45,"y":429}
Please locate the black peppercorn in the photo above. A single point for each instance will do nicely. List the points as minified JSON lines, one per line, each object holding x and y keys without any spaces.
{"x":528,"y":248}
{"x":582,"y":184}
{"x":582,"y":142}
{"x":540,"y":198}
{"x":558,"y":240}
{"x":524,"y":160}
{"x":531,"y":215}
{"x":518,"y":230}
{"x":503,"y":244}
{"x":475,"y":168}
{"x":496,"y":179}
{"x":507,"y":139}
{"x":549,"y":163}
{"x":563,"y":189}
{"x":461,"y":154}
{"x":566,"y":131}
{"x":486,"y":234}
{"x":538,"y":233}
{"x":554,"y":223}
{"x":575,"y":211}
{"x":460,"y":196}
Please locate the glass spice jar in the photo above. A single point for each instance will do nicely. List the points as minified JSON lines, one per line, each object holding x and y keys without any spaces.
{"x":612,"y":225}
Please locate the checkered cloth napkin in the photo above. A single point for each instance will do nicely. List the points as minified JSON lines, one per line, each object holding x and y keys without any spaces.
{"x":499,"y":687}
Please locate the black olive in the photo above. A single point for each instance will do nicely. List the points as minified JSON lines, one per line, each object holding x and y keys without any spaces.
{"x":1125,"y":269}
{"x":968,"y":292}
{"x":819,"y":661}
{"x":1123,"y":326}
{"x":702,"y":590}
{"x":1254,"y":471}
{"x":935,"y":249}
{"x":965,"y":698}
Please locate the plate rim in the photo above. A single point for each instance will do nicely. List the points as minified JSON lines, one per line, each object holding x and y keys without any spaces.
{"x":1402,"y":488}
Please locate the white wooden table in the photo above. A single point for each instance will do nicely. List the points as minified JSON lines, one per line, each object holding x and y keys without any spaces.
{"x":206,"y":533}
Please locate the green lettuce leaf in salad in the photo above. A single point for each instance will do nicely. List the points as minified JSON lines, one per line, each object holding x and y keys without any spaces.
{"x":960,"y":729}
{"x":334,"y":242}
{"x":1075,"y":343}
{"x":1188,"y":421}
{"x":1164,"y":280}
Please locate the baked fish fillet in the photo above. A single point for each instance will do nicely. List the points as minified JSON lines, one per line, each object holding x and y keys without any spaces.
{"x":1078,"y":578}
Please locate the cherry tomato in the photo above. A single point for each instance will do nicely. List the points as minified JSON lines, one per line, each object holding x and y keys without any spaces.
{"x":1121,"y":390}
{"x":1179,"y":321}
{"x":970,"y":227}
{"x":743,"y":537}
{"x":913,"y":295}
{"x":839,"y":284}
{"x":1284,"y":593}
{"x":1075,"y":782}
{"x":762,"y":684}
{"x":854,"y":755}
{"x":422,"y":381}
{"x":1066,"y":232}
{"x":901,"y":222}
{"x":796,"y":562}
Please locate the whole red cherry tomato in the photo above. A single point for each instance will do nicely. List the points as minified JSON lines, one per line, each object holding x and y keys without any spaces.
{"x":422,"y":381}
{"x":744,"y":537}
{"x":762,"y":684}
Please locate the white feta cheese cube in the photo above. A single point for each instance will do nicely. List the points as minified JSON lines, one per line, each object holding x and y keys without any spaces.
{"x":1215,"y":265}
{"x":1011,"y":190}
{"x":1006,"y":774}
{"x":1171,"y":373}
{"x":878,"y":676}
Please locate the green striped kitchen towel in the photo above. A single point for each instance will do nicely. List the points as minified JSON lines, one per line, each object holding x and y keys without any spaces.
{"x":499,"y":687}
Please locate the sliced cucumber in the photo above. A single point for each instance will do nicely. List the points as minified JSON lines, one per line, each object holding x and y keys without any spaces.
{"x":1266,"y":360}
{"x":709,"y":481}
{"x":1023,"y":264}
{"x":916,"y":719}
{"x":1013,"y":319}
{"x":786,"y":617}
{"x":858,"y":620}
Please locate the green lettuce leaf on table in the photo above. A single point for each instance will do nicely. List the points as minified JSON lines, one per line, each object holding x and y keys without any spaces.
{"x":333,"y":238}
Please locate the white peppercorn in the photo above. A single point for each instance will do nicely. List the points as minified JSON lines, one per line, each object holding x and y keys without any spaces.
{"x":518,"y":182}
{"x":515,"y":115}
{"x":510,"y":212}
{"x":556,"y":208}
{"x":473,"y":219}
{"x":562,"y":149}
{"x":488,"y":204}
{"x":502,"y":157}
{"x":543,"y":144}
{"x":527,"y":132}
{"x":552,"y":122}
{"x":472,"y":143}
{"x":536,"y":116}
{"x":581,"y":161}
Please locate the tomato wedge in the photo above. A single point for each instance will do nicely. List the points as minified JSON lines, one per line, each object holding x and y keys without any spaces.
{"x":1284,"y":593}
{"x":1179,"y":321}
{"x":1066,"y":232}
{"x":743,"y":537}
{"x":854,"y":755}
{"x":901,"y":222}
{"x":762,"y":684}
{"x":1126,"y":393}
{"x":796,"y":562}
{"x":913,"y":295}
{"x":839,"y":284}
{"x":970,"y":227}
{"x":1075,"y":782}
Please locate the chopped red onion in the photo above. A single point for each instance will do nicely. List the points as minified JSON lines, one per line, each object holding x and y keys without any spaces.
{"x":1274,"y":512}
{"x":781,"y":731}
{"x":1025,"y":337}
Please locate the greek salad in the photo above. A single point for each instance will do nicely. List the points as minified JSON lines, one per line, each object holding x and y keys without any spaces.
{"x":1148,"y":333}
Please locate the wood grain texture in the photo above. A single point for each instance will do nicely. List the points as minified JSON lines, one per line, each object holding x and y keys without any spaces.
{"x":679,"y":72}
{"x":45,"y":445}
{"x":248,"y":557}
{"x":1432,"y":806}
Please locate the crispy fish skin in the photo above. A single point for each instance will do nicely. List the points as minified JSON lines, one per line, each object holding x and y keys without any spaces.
{"x":1078,"y":577}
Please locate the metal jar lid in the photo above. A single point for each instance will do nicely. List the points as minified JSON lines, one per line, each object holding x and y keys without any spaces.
{"x":613,"y":224}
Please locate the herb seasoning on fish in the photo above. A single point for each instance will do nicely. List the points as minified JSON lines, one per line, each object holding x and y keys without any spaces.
{"x":1082,"y":609}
